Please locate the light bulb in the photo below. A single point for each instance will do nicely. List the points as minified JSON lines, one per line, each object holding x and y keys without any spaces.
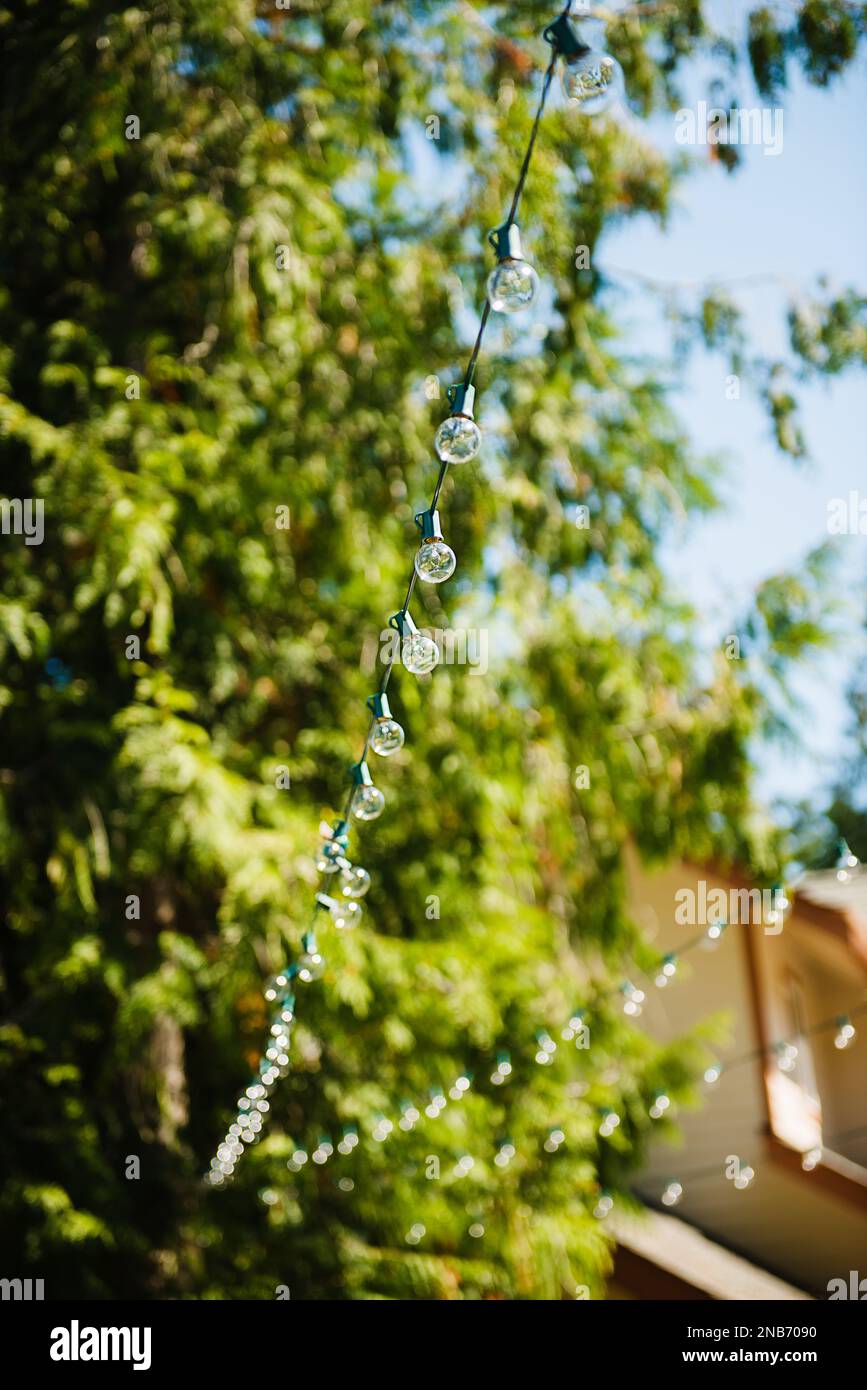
{"x":277,"y":987}
{"x":332,"y":853}
{"x":368,"y":803}
{"x":419,"y":653}
{"x":387,"y":737}
{"x":435,"y":561}
{"x":847,"y":862}
{"x":846,"y":1032}
{"x":512,"y":284}
{"x":354,"y":881}
{"x":346,"y":913}
{"x":311,"y":964}
{"x":458,"y":439}
{"x":329,"y":858}
{"x":592,"y":82}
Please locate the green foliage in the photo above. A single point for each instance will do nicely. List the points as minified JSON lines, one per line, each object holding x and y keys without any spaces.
{"x":236,"y":313}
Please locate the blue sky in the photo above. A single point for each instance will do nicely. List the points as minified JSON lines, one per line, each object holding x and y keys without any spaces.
{"x":795,"y":216}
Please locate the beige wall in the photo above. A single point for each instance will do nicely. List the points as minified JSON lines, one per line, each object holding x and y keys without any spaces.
{"x":788,"y":1220}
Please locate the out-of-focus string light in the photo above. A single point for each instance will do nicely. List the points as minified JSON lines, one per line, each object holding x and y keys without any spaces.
{"x":604,"y":1205}
{"x":555,"y":1138}
{"x":715,"y":932}
{"x":511,"y":285}
{"x":545,"y":1048}
{"x":845,"y":1032}
{"x":436,"y":1104}
{"x":503,"y":1069}
{"x":610,"y":1121}
{"x":409,"y":1117}
{"x":848,"y":864}
{"x":667,"y":970}
{"x":633,"y":998}
{"x":574,"y":1027}
{"x":660,"y":1104}
{"x":787,"y":1056}
{"x":505,"y":1153}
{"x":349,"y":1141}
{"x":672,"y":1193}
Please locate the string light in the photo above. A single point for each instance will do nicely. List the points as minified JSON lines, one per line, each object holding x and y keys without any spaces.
{"x":847,"y":864}
{"x":610,"y":1121}
{"x":368,"y":801}
{"x":503,"y":1069}
{"x":458,"y":439}
{"x":435,"y":561}
{"x":546,"y":1047}
{"x":591,"y":81}
{"x":604,"y":1205}
{"x":387,"y":736}
{"x":634,"y":998}
{"x":513,"y":282}
{"x":555,"y":1138}
{"x":344,"y":913}
{"x":787,"y":1056}
{"x":505,"y":1153}
{"x":419,"y":653}
{"x":460,"y":1087}
{"x":672,"y":1194}
{"x":845,"y":1033}
{"x":667,"y":970}
{"x":354,"y":881}
{"x":660,"y":1105}
{"x":511,"y":286}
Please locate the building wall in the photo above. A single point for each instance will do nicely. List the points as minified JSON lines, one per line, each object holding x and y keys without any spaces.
{"x":798,"y":1225}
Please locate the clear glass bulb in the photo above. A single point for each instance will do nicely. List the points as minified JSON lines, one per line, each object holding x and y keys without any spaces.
{"x":354,"y":881}
{"x":387,"y":737}
{"x":368,"y":803}
{"x":435,"y":562}
{"x":310,"y":966}
{"x":330,"y":855}
{"x":512,"y":286}
{"x":346,"y":914}
{"x":277,"y":987}
{"x":593,"y":82}
{"x":458,"y":439}
{"x":419,"y":653}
